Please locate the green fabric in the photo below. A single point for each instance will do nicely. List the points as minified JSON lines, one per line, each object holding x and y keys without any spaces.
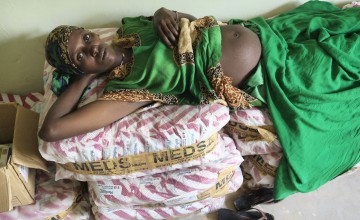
{"x":254,"y":86}
{"x":155,"y":69}
{"x":311,"y":57}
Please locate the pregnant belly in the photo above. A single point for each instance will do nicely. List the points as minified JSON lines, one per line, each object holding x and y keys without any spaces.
{"x":241,"y":51}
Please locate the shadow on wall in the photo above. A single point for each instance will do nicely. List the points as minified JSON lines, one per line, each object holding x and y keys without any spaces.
{"x":284,"y":8}
{"x":25,"y":52}
{"x":22,"y":61}
{"x":291,"y":5}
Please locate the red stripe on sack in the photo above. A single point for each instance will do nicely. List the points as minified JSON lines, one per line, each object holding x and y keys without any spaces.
{"x":144,"y":214}
{"x":11,"y":98}
{"x":121,"y":213}
{"x":180,"y":186}
{"x":162,"y":213}
{"x":31,"y":99}
{"x":26,"y":105}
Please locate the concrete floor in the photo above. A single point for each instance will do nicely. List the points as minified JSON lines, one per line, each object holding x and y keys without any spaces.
{"x":339,"y":199}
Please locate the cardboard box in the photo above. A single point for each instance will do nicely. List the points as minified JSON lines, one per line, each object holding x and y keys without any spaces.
{"x":18,"y":126}
{"x":4,"y":154}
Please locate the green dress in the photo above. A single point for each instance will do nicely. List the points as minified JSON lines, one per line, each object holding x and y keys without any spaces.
{"x":188,"y":74}
{"x":311,"y":69}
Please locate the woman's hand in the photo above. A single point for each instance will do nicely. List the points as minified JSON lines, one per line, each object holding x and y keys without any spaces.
{"x":165,"y":22}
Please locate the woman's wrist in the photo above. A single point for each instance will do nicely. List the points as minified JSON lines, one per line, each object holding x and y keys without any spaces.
{"x":86,"y":79}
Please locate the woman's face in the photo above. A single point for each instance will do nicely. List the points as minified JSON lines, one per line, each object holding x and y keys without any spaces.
{"x":90,"y":54}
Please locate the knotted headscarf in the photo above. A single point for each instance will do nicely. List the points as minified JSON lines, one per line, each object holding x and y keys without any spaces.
{"x":57,"y":55}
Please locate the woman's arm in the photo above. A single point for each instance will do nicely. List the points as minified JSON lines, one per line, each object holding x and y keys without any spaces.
{"x":63,"y":120}
{"x":166,"y":24}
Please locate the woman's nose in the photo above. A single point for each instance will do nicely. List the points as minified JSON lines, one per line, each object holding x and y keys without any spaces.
{"x":93,"y":50}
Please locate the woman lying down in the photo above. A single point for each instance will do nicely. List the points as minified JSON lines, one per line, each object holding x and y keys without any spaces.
{"x":304,"y":65}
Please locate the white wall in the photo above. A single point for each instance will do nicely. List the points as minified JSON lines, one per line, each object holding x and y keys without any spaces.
{"x":24,"y":25}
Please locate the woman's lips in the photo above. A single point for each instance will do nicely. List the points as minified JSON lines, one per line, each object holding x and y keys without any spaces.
{"x":103,"y":54}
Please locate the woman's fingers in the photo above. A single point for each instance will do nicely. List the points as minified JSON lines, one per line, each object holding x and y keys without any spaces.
{"x":164,"y":38}
{"x":167,"y":27}
{"x":168,"y":31}
{"x":175,"y":26}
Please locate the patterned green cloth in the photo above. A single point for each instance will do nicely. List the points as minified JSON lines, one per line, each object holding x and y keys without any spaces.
{"x":159,"y":73}
{"x":311,"y":67}
{"x":188,"y":74}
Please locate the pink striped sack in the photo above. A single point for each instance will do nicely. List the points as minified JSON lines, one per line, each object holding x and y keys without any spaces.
{"x":171,"y":188}
{"x":53,"y":198}
{"x":180,"y":211}
{"x":28,"y":101}
{"x":252,"y":131}
{"x":162,"y":211}
{"x":153,"y":130}
{"x":351,"y":5}
{"x":6,"y":98}
{"x":166,"y":128}
{"x":260,"y":170}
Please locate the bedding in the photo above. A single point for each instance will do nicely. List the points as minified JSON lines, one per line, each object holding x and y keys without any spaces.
{"x":171,"y":187}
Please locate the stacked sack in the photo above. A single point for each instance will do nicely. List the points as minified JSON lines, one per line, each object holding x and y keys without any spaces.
{"x":163,"y":139}
{"x":170,"y":194}
{"x":255,"y":138}
{"x":161,"y":162}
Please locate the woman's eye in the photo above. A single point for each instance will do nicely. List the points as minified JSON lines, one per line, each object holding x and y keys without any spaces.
{"x":87,"y":38}
{"x":80,"y":57}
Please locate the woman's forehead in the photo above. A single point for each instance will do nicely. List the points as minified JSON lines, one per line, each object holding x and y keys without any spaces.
{"x":74,"y":39}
